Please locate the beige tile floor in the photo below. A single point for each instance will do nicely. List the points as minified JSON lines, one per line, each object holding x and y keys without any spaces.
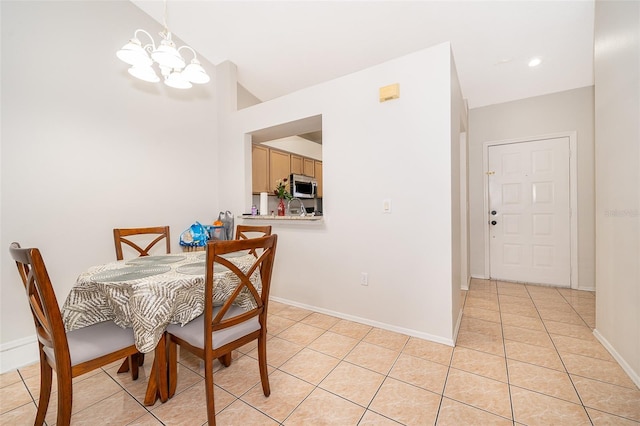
{"x":525,"y":355}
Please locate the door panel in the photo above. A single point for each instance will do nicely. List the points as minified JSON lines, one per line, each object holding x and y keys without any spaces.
{"x":529,"y":192}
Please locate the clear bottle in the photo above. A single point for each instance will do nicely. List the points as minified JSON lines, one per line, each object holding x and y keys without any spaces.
{"x":254,"y":210}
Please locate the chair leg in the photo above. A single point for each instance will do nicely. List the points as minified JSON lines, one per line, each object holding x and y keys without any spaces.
{"x":208,"y":382}
{"x":225,"y":359}
{"x":45,"y":391}
{"x":172,"y":361}
{"x":65,"y":398}
{"x":262,"y":362}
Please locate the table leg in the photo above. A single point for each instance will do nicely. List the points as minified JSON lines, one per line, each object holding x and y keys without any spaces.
{"x":152,"y":387}
{"x":162,"y":372}
{"x":158,"y":387}
{"x":139,"y":358}
{"x":124,"y":367}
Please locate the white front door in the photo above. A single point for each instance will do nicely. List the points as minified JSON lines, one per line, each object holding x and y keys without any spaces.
{"x":529,"y":212}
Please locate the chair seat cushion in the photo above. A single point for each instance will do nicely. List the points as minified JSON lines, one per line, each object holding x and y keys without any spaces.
{"x":193,"y":331}
{"x":94,"y":341}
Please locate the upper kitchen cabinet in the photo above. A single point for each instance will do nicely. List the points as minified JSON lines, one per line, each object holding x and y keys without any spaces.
{"x":269,"y":165}
{"x":308,"y":168}
{"x":318,"y":175}
{"x":302,"y":166}
{"x":279,"y":167}
{"x":297,"y":164}
{"x":260,"y":169}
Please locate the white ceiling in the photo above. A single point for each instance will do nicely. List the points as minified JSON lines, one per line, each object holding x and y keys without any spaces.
{"x":283,"y":46}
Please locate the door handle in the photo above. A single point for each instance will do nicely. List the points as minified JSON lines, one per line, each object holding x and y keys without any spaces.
{"x":493,"y":212}
{"x":493,"y":222}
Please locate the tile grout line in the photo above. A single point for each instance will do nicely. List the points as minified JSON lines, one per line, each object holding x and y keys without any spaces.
{"x":566,"y":370}
{"x":506,"y":363}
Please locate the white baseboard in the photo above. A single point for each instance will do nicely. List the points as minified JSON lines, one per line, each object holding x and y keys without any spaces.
{"x":479,"y":277}
{"x":384,"y":326}
{"x":634,"y":375}
{"x":586,"y":288}
{"x":468,"y":283}
{"x":18,"y":353}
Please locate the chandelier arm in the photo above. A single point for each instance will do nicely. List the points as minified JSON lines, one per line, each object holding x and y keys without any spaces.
{"x":195,"y":56}
{"x":151,"y":46}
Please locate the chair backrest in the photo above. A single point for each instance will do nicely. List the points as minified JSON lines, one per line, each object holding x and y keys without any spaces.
{"x":42,"y":300}
{"x":244,"y":232}
{"x":123,"y":236}
{"x":264,"y":249}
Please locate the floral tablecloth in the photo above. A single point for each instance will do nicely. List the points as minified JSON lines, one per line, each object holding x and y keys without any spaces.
{"x":148,"y":293}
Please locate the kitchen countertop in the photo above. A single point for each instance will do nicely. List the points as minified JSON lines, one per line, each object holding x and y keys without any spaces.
{"x":274,"y":217}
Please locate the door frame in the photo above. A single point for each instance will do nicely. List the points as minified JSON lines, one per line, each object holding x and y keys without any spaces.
{"x":573,"y":197}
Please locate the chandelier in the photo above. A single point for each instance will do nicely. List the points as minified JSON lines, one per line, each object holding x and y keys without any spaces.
{"x":173,"y":68}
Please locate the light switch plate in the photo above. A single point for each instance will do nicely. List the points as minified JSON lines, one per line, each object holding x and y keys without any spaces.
{"x":386,"y":205}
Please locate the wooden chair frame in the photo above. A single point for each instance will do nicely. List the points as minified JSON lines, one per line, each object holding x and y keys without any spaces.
{"x":120,"y":237}
{"x":215,"y":321}
{"x":242,"y":230}
{"x":51,"y":335}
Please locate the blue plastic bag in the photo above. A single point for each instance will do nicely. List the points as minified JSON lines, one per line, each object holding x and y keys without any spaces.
{"x":195,"y":236}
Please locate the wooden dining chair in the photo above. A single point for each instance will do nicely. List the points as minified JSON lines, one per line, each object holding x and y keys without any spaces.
{"x":222,"y":329}
{"x":122,"y":236}
{"x":249,"y":231}
{"x":244,"y":232}
{"x":71,"y":353}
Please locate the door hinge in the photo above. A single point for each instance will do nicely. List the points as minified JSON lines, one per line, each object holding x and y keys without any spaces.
{"x":491,"y":173}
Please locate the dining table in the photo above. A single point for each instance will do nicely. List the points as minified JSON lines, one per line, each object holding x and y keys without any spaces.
{"x":149,"y":293}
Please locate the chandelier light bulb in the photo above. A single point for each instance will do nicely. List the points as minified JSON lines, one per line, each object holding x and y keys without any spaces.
{"x":167,"y":56}
{"x":145,"y":73}
{"x":134,"y":54}
{"x":177,"y":81}
{"x":195,"y":73}
{"x":534,"y":62}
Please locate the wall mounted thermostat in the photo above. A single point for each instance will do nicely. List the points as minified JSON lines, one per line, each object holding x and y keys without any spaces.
{"x":389,"y":92}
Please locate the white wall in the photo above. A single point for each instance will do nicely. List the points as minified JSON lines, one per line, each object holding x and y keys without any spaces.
{"x":567,"y":111}
{"x":617,"y":108}
{"x":86,"y":148}
{"x":401,"y":150}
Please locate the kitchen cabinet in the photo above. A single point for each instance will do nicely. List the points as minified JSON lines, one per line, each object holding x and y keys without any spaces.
{"x":260,"y":169}
{"x":308,"y":167}
{"x":318,"y":175}
{"x":302,"y":166}
{"x":279,"y":167}
{"x":297,"y":164}
{"x":269,"y":165}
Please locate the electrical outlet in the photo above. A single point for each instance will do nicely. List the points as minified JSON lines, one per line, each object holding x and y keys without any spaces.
{"x":364,"y":278}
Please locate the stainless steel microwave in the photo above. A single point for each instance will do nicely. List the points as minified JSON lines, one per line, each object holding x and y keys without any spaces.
{"x":303,"y":186}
